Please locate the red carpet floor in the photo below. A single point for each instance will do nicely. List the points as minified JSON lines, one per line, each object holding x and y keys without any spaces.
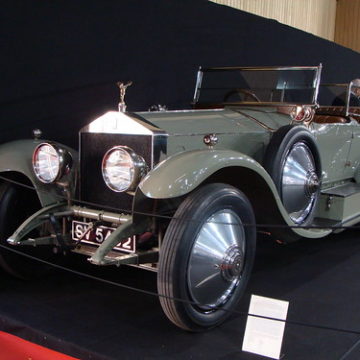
{"x":15,"y":348}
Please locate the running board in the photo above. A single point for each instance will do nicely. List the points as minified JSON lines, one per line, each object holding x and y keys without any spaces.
{"x":344,"y":190}
{"x":340,"y":204}
{"x":325,"y":223}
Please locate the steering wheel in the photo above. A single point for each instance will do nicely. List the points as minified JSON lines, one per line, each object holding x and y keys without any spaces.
{"x":240,"y":93}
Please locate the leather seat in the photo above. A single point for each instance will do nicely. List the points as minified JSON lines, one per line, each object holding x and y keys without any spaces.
{"x":329,"y":119}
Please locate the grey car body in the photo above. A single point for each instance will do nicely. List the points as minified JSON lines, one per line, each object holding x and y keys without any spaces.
{"x":183,"y":193}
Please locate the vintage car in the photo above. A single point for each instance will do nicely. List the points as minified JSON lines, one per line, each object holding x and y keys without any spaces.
{"x":184,"y":193}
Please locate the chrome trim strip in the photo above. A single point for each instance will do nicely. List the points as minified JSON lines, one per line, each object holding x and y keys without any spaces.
{"x":264,"y":103}
{"x":264,"y":126}
{"x":183,"y":111}
{"x":199,"y":79}
{"x":158,"y":139}
{"x":335,"y":84}
{"x":79,"y":168}
{"x":260,"y":68}
{"x":317,"y":83}
{"x":347,"y":102}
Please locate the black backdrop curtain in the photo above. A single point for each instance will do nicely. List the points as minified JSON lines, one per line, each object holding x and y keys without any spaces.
{"x":60,"y":60}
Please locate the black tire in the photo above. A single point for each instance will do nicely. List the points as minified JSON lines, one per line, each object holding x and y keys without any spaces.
{"x":179,"y":262}
{"x":16,"y":205}
{"x":295,"y":141}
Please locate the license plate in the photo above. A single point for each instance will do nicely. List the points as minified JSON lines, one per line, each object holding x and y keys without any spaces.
{"x":99,"y":234}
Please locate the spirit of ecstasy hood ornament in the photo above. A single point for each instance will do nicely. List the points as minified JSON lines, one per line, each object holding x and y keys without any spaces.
{"x":123,"y":87}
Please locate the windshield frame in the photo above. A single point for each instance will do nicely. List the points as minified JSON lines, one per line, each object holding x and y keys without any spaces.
{"x":346,"y":109}
{"x":203,"y":70}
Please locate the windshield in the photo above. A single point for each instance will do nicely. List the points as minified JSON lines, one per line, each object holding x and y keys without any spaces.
{"x":345,"y":97}
{"x":234,"y":85}
{"x":333,"y":94}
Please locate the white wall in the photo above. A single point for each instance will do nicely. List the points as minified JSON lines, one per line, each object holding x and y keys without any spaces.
{"x":314,"y":16}
{"x":347,"y":32}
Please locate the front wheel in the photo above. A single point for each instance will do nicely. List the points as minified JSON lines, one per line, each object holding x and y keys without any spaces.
{"x":206,"y":257}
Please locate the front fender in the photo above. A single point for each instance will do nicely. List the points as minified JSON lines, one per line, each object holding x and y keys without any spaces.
{"x":182,"y":173}
{"x":16,"y":157}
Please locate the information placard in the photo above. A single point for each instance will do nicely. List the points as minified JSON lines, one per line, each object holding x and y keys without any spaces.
{"x":264,"y":336}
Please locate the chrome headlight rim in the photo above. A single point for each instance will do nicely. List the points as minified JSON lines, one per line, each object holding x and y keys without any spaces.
{"x":137,"y":172}
{"x":64,"y":160}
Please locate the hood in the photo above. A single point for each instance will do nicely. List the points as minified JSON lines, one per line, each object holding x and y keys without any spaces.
{"x":244,"y":130}
{"x":214,"y":121}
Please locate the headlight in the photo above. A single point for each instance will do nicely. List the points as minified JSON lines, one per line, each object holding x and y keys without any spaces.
{"x":50,"y":162}
{"x":122,"y":169}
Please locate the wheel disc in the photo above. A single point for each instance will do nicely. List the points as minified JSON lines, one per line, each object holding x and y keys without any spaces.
{"x":299,"y":182}
{"x":217,"y":259}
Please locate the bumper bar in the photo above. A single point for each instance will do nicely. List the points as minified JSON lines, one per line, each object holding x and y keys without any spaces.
{"x":106,"y":216}
{"x":102,"y":255}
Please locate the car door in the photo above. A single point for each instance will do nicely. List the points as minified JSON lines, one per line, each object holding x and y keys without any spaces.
{"x":334,"y":141}
{"x":353,"y":160}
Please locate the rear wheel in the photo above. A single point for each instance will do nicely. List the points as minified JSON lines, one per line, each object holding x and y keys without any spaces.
{"x":293,"y":161}
{"x":16,"y":205}
{"x":206,"y":257}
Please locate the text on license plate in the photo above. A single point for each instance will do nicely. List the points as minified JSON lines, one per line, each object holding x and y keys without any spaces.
{"x":99,"y":234}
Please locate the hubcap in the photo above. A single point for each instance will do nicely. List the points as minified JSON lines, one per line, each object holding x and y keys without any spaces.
{"x":232,"y":263}
{"x":300,"y":182}
{"x":312,"y":184}
{"x":217,"y":259}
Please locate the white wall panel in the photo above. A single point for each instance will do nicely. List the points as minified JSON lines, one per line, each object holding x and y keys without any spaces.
{"x":347,"y":31}
{"x":314,"y":16}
